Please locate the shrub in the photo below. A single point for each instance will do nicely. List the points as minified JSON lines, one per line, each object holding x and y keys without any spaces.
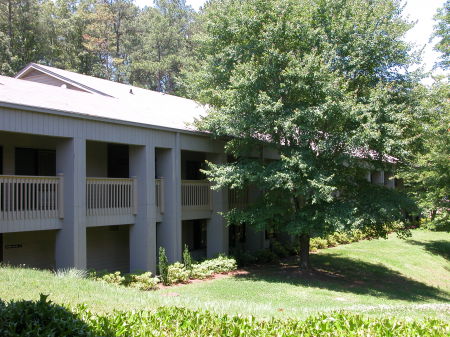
{"x":278,"y":249}
{"x":39,"y":318}
{"x":319,"y":243}
{"x":113,"y":278}
{"x":187,"y":259}
{"x":163,"y":266}
{"x":265,"y":256}
{"x":181,"y":322}
{"x":141,"y":281}
{"x":177,"y":273}
{"x":201,"y":271}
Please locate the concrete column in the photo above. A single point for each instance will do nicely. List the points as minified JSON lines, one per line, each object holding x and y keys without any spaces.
{"x":389,"y":180}
{"x":217,"y":230}
{"x":71,"y":239}
{"x":378,"y":177}
{"x":143,"y":231}
{"x":9,"y":160}
{"x":254,"y":240}
{"x":169,"y":230}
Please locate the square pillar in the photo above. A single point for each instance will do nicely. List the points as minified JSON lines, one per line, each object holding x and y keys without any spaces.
{"x":378,"y":177}
{"x":71,"y":238}
{"x":254,"y":239}
{"x":9,"y":161}
{"x":143,"y":231}
{"x":217,"y":230}
{"x":169,"y":229}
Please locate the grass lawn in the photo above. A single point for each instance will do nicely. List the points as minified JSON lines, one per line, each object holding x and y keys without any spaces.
{"x":404,"y":278}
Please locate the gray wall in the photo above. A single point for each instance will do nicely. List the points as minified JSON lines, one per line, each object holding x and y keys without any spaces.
{"x":34,"y":249}
{"x":108,"y":248}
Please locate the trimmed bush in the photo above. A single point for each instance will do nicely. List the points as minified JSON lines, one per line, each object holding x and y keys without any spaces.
{"x":163,"y":266}
{"x":141,"y":281}
{"x":177,"y":273}
{"x":187,"y":259}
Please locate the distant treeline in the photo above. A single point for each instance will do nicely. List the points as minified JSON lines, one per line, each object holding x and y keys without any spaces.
{"x":111,"y":39}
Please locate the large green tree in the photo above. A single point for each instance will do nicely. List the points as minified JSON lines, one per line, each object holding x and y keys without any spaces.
{"x":325,"y":84}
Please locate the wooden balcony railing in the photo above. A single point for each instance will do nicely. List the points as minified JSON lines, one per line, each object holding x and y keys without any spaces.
{"x":111,"y":196}
{"x":159,"y":195}
{"x":237,"y":198}
{"x":31,"y":197}
{"x":195,"y":195}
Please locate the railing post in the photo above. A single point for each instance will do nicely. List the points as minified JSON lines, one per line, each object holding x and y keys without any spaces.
{"x":210,"y":197}
{"x":61,"y":196}
{"x":135,"y":196}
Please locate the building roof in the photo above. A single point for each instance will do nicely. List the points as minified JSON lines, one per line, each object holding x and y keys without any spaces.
{"x":100,"y":98}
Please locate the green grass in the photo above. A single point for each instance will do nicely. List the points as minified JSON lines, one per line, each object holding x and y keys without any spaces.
{"x":404,"y":278}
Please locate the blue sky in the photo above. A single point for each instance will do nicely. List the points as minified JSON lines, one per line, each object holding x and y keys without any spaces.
{"x":421,"y":11}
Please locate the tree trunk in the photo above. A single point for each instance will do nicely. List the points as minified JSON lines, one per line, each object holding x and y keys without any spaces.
{"x":304,"y":252}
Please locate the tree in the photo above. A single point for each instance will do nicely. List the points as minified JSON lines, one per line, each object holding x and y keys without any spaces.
{"x":111,"y":23}
{"x":5,"y":56}
{"x":442,"y":31}
{"x":428,"y":180}
{"x":19,"y":21}
{"x":323,"y":84}
{"x":163,"y":45}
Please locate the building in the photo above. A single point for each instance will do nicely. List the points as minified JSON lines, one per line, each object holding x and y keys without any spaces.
{"x":98,"y":174}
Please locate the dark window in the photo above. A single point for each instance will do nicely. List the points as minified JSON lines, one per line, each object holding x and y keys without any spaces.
{"x":199,"y":227}
{"x":236,"y":234}
{"x":35,"y":162}
{"x":193,"y":170}
{"x":118,"y":161}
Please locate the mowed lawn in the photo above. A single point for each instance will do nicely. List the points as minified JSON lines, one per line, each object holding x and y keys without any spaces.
{"x":394,"y":277}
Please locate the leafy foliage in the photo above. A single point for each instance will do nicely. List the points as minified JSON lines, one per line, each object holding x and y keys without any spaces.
{"x":112,"y":39}
{"x":42,"y":318}
{"x":39,"y":318}
{"x":163,"y":266}
{"x":323,"y":85}
{"x":442,"y":31}
{"x":428,"y":179}
{"x":187,"y":259}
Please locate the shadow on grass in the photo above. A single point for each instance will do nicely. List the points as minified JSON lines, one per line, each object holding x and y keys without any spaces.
{"x":342,"y":274}
{"x":440,"y":247}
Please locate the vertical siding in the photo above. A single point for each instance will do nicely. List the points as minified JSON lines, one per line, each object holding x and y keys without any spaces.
{"x":108,"y":248}
{"x":34,"y":249}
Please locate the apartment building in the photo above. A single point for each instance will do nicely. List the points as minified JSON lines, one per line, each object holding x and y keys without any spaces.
{"x":98,"y":174}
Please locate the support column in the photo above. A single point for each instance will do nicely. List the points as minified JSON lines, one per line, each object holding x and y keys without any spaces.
{"x":254,"y":240}
{"x":71,"y":238}
{"x":143,"y":231}
{"x":378,"y":177}
{"x":389,"y":180}
{"x":169,"y":230}
{"x":217,"y":230}
{"x":9,"y":159}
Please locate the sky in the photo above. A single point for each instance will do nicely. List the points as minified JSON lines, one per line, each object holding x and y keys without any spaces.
{"x":421,"y":11}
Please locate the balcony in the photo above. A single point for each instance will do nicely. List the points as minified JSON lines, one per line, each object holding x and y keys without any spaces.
{"x":110,"y":201}
{"x":195,"y":199}
{"x":25,"y":201}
